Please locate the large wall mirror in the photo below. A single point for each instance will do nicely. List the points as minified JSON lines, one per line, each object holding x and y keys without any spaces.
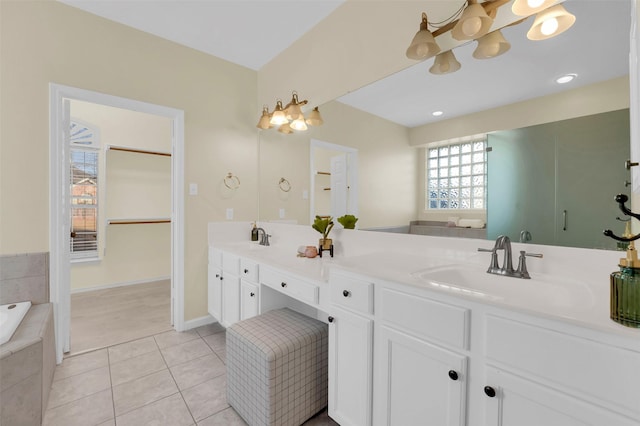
{"x":390,"y":168}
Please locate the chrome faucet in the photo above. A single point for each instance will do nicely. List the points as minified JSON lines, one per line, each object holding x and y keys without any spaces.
{"x":504,"y":243}
{"x":264,"y":241}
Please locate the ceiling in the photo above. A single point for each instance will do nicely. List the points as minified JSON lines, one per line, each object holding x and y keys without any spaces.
{"x":253,"y":32}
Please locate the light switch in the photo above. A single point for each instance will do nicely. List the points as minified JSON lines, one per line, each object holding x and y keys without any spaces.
{"x":193,"y":189}
{"x":230,"y":214}
{"x":281,"y":213}
{"x":305,"y":194}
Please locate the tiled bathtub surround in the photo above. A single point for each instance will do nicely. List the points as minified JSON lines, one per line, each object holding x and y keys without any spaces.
{"x":27,"y":363}
{"x":24,"y":277}
{"x":27,"y":360}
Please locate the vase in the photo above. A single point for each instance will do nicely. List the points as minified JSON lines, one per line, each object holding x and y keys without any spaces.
{"x":325,"y":243}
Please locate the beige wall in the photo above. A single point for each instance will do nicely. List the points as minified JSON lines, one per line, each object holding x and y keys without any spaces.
{"x":131,"y":186}
{"x":46,"y":41}
{"x":387,"y":167}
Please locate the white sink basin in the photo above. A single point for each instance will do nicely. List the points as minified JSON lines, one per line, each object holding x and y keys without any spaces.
{"x":539,"y":291}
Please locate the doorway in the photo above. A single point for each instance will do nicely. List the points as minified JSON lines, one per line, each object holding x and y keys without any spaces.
{"x":62,"y":98}
{"x":334,"y":180}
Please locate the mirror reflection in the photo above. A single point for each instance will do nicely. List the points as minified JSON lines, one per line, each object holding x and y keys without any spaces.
{"x":391,"y":171}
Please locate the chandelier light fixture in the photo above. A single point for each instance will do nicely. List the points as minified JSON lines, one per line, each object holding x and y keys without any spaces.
{"x":473,"y":21}
{"x":290,"y":117}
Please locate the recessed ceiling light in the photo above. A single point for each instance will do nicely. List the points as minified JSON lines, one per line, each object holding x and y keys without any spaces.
{"x":437,"y":113}
{"x":566,"y":78}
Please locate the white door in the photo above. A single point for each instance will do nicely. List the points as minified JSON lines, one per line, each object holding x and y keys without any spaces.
{"x":350,"y":367}
{"x":339,"y":185}
{"x":512,"y":400}
{"x":420,"y":383}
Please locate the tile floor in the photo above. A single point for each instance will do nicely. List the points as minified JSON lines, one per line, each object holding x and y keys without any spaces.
{"x":168,"y":379}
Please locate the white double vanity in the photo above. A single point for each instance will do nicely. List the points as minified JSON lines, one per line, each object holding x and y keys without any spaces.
{"x":420,"y":334}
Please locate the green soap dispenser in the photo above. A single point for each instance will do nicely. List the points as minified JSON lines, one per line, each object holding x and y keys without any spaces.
{"x":625,"y":283}
{"x":254,"y":232}
{"x":625,"y":290}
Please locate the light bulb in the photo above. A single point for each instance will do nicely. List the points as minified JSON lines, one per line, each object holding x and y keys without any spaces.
{"x":471,"y":26}
{"x":534,"y":4}
{"x":299,"y":124}
{"x":549,"y":26}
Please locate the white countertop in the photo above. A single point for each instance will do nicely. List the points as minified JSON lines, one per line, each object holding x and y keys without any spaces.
{"x":580,"y":297}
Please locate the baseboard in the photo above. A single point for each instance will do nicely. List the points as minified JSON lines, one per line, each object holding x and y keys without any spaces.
{"x":121,"y":284}
{"x":199,"y":322}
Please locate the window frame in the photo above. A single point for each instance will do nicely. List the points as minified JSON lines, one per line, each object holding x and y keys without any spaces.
{"x":448,"y":166}
{"x":85,"y":137}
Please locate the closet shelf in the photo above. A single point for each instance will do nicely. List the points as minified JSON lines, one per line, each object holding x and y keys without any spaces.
{"x":139,"y":151}
{"x":138,"y":221}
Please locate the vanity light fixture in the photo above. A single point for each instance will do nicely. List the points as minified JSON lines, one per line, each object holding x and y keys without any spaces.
{"x":265,"y":119}
{"x":290,"y":117}
{"x":445,"y":63}
{"x":491,"y":45}
{"x":437,"y":113}
{"x":423,"y":45}
{"x":473,"y":21}
{"x":551,"y":22}
{"x":314,"y":119}
{"x":530,"y":7}
{"x":566,"y":78}
{"x":278,"y":115}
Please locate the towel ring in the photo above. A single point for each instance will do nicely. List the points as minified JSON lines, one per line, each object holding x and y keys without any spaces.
{"x":232,"y":182}
{"x":284,"y":185}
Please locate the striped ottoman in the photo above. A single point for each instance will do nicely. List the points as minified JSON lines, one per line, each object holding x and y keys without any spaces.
{"x":277,"y":368}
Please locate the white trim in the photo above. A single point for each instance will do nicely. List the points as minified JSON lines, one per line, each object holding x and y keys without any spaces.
{"x":60,"y":265}
{"x":120,"y":284}
{"x":199,"y":322}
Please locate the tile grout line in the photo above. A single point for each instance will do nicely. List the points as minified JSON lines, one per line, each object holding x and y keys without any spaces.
{"x":176,"y":383}
{"x":113,"y":399}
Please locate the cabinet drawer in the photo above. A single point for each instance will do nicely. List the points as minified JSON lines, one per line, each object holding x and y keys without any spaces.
{"x":351,"y":293}
{"x":425,"y":318}
{"x":249,"y":270}
{"x":230,"y":263}
{"x":608,"y":375}
{"x":289,"y":285}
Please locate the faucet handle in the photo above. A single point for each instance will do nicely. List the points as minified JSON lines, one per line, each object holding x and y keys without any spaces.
{"x":266,"y":239}
{"x":493,"y":266}
{"x":493,"y":250}
{"x":522,"y":264}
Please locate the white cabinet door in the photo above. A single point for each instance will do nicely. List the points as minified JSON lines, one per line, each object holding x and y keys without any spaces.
{"x":249,"y":297}
{"x":517,"y":401}
{"x":230,"y":300}
{"x":350,"y":368}
{"x":419,"y":383}
{"x":214,"y":292}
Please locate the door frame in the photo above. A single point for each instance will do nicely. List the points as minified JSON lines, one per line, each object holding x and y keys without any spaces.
{"x":352,"y":173}
{"x":59,"y":227}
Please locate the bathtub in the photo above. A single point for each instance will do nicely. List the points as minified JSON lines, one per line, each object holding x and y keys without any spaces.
{"x":10,"y":318}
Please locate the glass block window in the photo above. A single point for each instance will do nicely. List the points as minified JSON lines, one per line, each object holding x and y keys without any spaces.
{"x":83,"y":192}
{"x":456,"y":176}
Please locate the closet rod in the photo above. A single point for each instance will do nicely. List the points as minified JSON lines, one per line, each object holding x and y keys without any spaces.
{"x":134,"y":221}
{"x":139,"y":151}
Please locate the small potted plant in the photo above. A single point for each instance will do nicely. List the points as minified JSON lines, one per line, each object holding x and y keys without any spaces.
{"x":348,"y":221}
{"x":324,"y":225}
